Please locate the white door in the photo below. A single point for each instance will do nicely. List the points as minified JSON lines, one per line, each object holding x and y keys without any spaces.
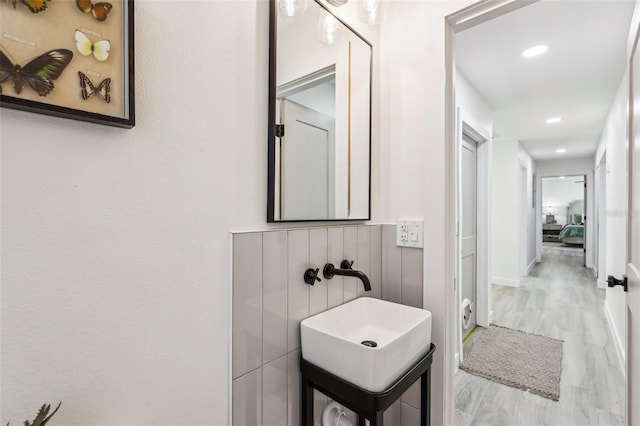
{"x":468,"y":228}
{"x":633,"y":252}
{"x":307,"y":182}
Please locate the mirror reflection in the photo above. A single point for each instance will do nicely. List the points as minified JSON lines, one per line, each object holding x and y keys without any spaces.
{"x":319,"y":147}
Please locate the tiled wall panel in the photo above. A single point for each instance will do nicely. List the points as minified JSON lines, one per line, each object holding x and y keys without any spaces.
{"x":375,"y":267}
{"x":391,"y":265}
{"x":274,"y":392}
{"x":350,"y":253}
{"x":271,"y":298}
{"x":298,"y":290}
{"x":335,"y":249}
{"x":412,"y":277}
{"x":274,"y":288}
{"x":318,"y":247}
{"x":247,"y":303}
{"x":247,"y":399}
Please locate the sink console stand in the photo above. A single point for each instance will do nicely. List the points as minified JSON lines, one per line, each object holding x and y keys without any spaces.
{"x":366,"y":404}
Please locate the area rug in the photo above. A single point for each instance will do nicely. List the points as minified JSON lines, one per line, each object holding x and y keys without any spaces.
{"x":521,"y":360}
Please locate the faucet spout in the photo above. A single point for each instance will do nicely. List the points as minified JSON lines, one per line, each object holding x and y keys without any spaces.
{"x":329,"y":271}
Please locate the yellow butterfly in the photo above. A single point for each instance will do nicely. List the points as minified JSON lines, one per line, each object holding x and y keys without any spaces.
{"x":85,"y":46}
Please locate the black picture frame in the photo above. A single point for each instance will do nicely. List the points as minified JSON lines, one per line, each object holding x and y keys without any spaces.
{"x":77,"y":19}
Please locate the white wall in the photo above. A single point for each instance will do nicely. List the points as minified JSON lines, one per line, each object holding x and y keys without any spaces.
{"x":505,"y":212}
{"x":471,"y":102}
{"x":528,"y":239}
{"x":613,"y":142}
{"x":568,"y":167}
{"x":412,"y":144}
{"x":115,"y":244}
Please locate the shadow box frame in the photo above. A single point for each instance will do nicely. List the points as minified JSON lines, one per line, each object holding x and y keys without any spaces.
{"x":126,"y":119}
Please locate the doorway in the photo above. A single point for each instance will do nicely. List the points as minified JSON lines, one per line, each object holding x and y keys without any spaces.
{"x":472,"y":261}
{"x":564,"y":214}
{"x":466,"y":19}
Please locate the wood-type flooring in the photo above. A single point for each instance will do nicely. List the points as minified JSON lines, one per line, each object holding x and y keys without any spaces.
{"x":558,"y":299}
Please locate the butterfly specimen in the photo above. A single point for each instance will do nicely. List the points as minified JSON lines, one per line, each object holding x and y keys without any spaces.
{"x":98,"y":10}
{"x":100,"y":49}
{"x":89,"y":89}
{"x":34,"y":6}
{"x":38,"y":73}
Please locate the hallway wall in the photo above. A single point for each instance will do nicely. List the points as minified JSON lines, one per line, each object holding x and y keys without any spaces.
{"x":506,"y":218}
{"x":613,"y":143}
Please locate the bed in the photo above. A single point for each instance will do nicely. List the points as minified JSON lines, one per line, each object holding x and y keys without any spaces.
{"x":572,"y":235}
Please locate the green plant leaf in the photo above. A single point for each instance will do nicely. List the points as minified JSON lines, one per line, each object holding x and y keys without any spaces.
{"x":43,"y":415}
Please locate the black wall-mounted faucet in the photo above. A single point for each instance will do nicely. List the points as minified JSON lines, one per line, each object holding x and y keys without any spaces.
{"x":329,"y":271}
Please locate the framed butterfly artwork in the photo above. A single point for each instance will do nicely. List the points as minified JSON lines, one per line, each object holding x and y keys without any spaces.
{"x":69,"y":58}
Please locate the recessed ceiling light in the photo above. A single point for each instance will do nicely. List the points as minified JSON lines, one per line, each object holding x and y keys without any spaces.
{"x":553,"y":120}
{"x":561,"y":150}
{"x":534,"y":51}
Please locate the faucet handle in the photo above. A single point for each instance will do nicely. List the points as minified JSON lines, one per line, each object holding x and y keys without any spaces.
{"x":346,"y":264}
{"x":311,"y":276}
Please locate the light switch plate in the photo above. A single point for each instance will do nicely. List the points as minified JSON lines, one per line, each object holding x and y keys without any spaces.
{"x":410,"y":233}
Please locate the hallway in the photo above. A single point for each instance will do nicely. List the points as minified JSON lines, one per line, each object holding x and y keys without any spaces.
{"x":558,"y":299}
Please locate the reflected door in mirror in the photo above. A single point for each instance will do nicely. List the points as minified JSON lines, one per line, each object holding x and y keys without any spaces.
{"x":320,"y":100}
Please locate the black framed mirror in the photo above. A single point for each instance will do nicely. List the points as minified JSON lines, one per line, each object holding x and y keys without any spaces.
{"x":319,"y":116}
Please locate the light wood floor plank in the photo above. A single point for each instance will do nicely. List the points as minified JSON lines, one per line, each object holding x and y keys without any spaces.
{"x":558,"y":299}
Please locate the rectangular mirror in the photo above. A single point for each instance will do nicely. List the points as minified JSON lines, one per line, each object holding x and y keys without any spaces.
{"x":319,"y":116}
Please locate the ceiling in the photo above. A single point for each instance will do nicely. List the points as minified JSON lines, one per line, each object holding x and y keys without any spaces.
{"x":576,"y":79}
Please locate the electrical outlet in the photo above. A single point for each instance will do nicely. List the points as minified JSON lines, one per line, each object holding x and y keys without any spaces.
{"x":410,"y":233}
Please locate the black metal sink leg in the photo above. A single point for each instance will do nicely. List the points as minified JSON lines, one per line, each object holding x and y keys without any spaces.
{"x":425,"y":398}
{"x":306,"y":416}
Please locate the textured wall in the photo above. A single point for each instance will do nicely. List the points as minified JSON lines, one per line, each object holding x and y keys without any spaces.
{"x":115,"y":244}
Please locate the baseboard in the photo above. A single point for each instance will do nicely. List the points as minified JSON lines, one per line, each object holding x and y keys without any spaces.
{"x":531,"y":265}
{"x":505,"y":281}
{"x":601,"y":284}
{"x":616,"y":339}
{"x":490,"y":317}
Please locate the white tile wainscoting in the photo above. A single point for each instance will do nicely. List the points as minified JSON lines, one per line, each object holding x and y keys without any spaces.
{"x":270,"y":299}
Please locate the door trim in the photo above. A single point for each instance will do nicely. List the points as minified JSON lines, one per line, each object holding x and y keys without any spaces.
{"x":467,"y":17}
{"x":468,"y":125}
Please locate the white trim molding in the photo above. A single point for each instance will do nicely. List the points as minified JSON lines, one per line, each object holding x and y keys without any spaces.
{"x":510,"y":282}
{"x":616,"y":339}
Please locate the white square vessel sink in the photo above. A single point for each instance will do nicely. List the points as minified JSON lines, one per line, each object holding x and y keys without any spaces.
{"x":332,"y":340}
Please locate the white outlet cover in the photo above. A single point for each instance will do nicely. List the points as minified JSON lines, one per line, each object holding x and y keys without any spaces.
{"x":410,"y":233}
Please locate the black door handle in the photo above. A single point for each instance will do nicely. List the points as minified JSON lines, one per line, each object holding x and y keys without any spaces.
{"x":613,"y":281}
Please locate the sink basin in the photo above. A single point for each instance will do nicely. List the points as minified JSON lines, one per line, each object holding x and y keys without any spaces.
{"x":333,"y":340}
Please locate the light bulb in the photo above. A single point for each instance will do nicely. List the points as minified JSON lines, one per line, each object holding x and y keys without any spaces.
{"x":370,"y":11}
{"x":291,"y":8}
{"x":328,"y":30}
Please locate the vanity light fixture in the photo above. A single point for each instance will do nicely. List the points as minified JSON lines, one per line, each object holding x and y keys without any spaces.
{"x":291,"y":8}
{"x":553,"y":120}
{"x":561,"y":150}
{"x":369,"y":12}
{"x":328,"y":30}
{"x":535,"y":51}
